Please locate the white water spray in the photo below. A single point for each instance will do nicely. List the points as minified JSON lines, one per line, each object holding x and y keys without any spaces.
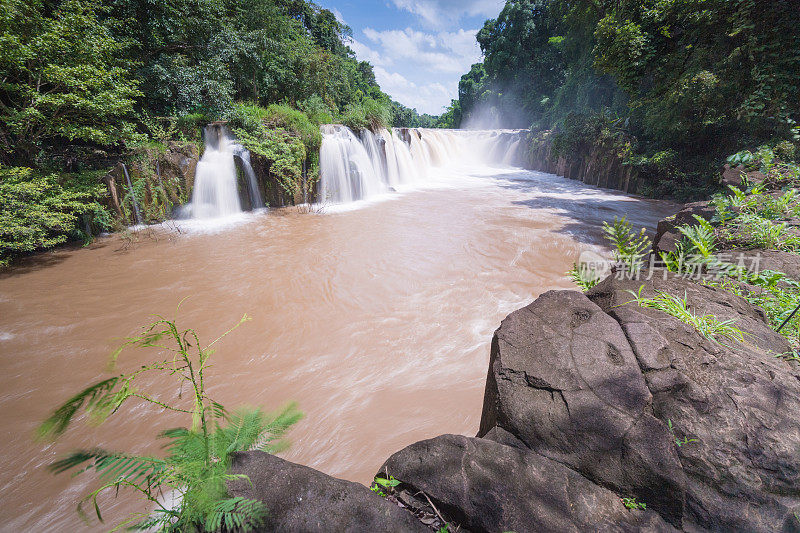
{"x":354,"y":167}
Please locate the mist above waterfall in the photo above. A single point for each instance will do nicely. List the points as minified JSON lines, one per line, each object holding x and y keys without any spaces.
{"x":355,"y":166}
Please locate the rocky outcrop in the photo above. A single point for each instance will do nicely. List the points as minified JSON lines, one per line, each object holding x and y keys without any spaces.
{"x":595,"y":165}
{"x":736,"y":404}
{"x":637,"y":401}
{"x":481,"y":485}
{"x":667,"y":234}
{"x":594,"y":405}
{"x":165,"y":179}
{"x":301,"y":499}
{"x":565,"y":381}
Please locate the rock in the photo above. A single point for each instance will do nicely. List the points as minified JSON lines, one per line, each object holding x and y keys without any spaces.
{"x":564,"y":380}
{"x":639,"y":402}
{"x":786,"y":262}
{"x":740,"y":178}
{"x":302,"y":499}
{"x":756,"y":177}
{"x":667,"y":234}
{"x":180,"y":162}
{"x":733,"y":176}
{"x":737,"y":404}
{"x":480,"y":485}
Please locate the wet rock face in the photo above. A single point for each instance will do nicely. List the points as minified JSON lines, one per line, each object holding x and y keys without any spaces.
{"x":481,"y":485}
{"x":302,"y":499}
{"x":595,"y":382}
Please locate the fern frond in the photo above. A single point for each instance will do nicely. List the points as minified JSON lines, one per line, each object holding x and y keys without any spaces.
{"x":583,"y":277}
{"x":701,"y":238}
{"x":113,"y":465}
{"x":271,"y":438}
{"x":630,"y":247}
{"x":237,"y":514}
{"x":90,"y":397}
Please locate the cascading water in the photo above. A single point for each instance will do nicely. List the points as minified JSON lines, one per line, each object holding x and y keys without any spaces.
{"x":134,"y":202}
{"x":354,"y":167}
{"x":216,"y":190}
{"x":256,"y":202}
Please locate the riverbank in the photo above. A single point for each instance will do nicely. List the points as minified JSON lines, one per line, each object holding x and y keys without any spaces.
{"x":365,"y":317}
{"x":650,"y":403}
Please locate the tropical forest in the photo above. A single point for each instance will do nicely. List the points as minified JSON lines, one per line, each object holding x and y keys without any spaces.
{"x":412,"y":265}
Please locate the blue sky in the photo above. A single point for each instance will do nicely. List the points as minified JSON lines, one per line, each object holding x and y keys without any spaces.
{"x":419,"y":48}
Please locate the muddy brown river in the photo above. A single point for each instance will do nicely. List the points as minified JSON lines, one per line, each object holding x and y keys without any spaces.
{"x":376,"y":319}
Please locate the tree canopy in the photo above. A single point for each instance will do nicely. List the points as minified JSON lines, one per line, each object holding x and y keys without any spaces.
{"x":694,"y":76}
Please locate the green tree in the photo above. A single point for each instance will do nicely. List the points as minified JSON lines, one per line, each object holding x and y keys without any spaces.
{"x":64,"y":78}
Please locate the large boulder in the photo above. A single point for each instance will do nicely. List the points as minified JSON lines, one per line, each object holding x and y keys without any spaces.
{"x":480,"y":485}
{"x":564,"y":380}
{"x":733,"y":406}
{"x":705,"y":432}
{"x":301,"y":499}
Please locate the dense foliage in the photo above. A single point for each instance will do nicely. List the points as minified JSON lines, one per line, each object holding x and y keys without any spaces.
{"x":689,"y":80}
{"x":42,"y":210}
{"x":87,"y":83}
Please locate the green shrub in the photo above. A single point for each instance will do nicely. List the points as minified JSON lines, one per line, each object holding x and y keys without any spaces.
{"x":247,"y":116}
{"x":317,"y":110}
{"x":785,"y":151}
{"x":281,"y":116}
{"x":252,"y":118}
{"x":39,"y":211}
{"x":198,"y":457}
{"x":368,"y":114}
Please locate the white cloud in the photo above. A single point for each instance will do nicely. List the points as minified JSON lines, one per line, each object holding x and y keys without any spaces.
{"x":338,"y":15}
{"x":365,"y":53}
{"x":419,"y":69}
{"x":429,"y":98}
{"x":444,"y":13}
{"x":444,"y":52}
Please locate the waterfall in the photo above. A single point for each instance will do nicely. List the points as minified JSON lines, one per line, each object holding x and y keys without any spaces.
{"x":256,"y":202}
{"x":347,"y":171}
{"x":357,"y":166}
{"x":134,"y":202}
{"x":216,"y":187}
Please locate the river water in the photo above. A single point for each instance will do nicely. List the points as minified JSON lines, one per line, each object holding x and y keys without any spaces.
{"x":377,"y":319}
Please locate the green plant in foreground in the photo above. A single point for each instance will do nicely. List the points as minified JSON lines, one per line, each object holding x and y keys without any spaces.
{"x":678,"y":441}
{"x":196,"y":465}
{"x":630,"y":248}
{"x":381,"y":483}
{"x":583,"y":277}
{"x":707,"y":325}
{"x":631,"y":503}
